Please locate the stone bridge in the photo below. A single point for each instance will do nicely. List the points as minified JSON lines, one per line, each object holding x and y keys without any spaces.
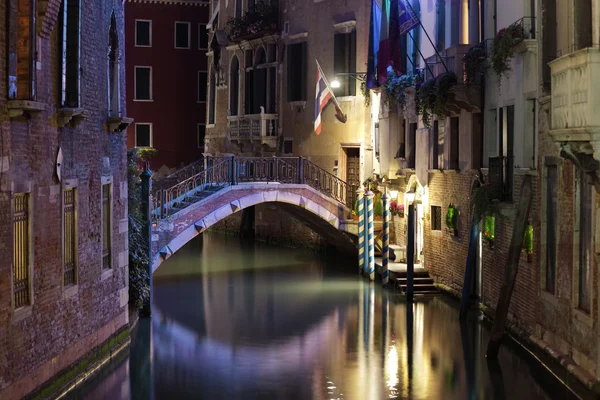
{"x":190,"y":201}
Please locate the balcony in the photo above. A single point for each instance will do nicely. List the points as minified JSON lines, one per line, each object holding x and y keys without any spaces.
{"x":466,"y":98}
{"x":254,"y":127}
{"x":262,"y":19}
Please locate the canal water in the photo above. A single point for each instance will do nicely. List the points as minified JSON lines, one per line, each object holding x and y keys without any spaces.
{"x":242,"y":320}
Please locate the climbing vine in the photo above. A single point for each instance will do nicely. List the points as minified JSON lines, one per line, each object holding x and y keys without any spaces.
{"x":433,"y":96}
{"x":504,"y":49}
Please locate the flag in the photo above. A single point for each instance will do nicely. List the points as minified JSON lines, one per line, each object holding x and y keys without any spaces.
{"x":323,"y":94}
{"x":383,"y":55}
{"x":395,"y":59}
{"x":406,"y":17}
{"x":374,"y":32}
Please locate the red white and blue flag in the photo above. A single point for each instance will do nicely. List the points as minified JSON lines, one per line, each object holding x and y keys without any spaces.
{"x":323,"y":94}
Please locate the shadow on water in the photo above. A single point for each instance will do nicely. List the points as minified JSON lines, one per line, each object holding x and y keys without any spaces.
{"x":242,"y":320}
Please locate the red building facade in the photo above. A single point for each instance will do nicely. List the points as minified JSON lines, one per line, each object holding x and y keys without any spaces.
{"x":166,"y":45}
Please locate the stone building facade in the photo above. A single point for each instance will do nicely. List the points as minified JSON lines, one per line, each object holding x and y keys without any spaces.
{"x":537,"y":120}
{"x":63,"y":188}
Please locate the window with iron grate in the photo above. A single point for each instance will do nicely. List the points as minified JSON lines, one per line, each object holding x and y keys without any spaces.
{"x":69,"y":238}
{"x":106,"y":226}
{"x":21,"y":247}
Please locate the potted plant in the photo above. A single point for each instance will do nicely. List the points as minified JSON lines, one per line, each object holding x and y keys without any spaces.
{"x":397,"y":209}
{"x":433,"y":95}
{"x":504,"y":48}
{"x":395,"y":87}
{"x":473,"y":61}
{"x":452,"y":220}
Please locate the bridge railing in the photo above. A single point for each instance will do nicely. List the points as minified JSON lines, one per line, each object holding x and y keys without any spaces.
{"x":168,"y":200}
{"x":188,"y":185}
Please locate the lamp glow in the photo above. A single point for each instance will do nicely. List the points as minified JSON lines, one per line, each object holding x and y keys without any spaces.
{"x":335,"y":84}
{"x":409,"y":196}
{"x":394,"y":194}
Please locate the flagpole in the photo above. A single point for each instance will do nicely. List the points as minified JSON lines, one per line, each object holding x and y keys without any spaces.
{"x":419,"y":50}
{"x":426,"y":34}
{"x":327,"y":83}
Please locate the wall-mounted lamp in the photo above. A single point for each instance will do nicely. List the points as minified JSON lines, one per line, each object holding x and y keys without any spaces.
{"x":394,"y":194}
{"x":335,"y":84}
{"x":409,"y":196}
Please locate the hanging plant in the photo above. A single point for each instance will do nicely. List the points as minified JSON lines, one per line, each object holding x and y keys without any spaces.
{"x":395,"y":87}
{"x":473,"y":61}
{"x":452,"y":217}
{"x":528,"y":242}
{"x":366,"y":92}
{"x":489,"y":228}
{"x":504,"y":49}
{"x":433,"y":95}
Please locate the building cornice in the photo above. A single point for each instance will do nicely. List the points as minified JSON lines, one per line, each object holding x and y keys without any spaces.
{"x":173,"y":2}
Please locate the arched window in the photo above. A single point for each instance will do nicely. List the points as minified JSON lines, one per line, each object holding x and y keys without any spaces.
{"x":260,"y":81}
{"x":234,"y":86}
{"x":113,"y":69}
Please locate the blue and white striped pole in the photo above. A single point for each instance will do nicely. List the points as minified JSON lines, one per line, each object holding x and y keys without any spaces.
{"x":385,"y":274}
{"x":371,"y":235}
{"x":360,"y":194}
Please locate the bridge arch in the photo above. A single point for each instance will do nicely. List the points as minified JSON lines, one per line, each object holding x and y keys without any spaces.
{"x":323,"y":214}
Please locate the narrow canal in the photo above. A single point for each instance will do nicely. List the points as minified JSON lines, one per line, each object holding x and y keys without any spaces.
{"x":239,"y":320}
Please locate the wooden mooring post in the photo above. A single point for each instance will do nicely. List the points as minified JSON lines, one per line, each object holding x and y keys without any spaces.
{"x":410,"y":254}
{"x":512,"y":265}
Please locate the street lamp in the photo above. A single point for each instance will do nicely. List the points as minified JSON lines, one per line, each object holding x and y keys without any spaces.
{"x":359,"y":76}
{"x":394,"y":194}
{"x":409,"y":196}
{"x":335,"y":84}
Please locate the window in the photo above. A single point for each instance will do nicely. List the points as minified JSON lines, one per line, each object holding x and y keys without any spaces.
{"x":212,"y":101}
{"x":434,"y":149}
{"x":344,"y":62}
{"x":202,"y":76}
{"x":411,"y":145}
{"x":585,"y":231}
{"x":69,"y":237}
{"x":436,"y":218}
{"x":143,"y":33}
{"x":70,"y":62}
{"x":106,"y":226}
{"x":114,"y":101}
{"x":143,"y":135}
{"x":551,"y":203}
{"x":202,"y":37}
{"x":583,"y":24}
{"x":440,"y":27}
{"x":234,"y":86}
{"x":401,"y":152}
{"x":21,"y":49}
{"x":376,"y":139}
{"x":477,"y":141}
{"x":296,"y":72}
{"x":454,"y":157}
{"x":182,"y":35}
{"x":143,"y":83}
{"x":201,"y":135}
{"x":288,"y":146}
{"x":21,"y":248}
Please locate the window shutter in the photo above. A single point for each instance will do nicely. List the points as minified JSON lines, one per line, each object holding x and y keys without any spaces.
{"x":303,"y":71}
{"x":290,"y":69}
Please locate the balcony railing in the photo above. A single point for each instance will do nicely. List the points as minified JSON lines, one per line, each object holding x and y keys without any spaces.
{"x":452,"y":57}
{"x":261,"y":19}
{"x":501,"y":177}
{"x":253,"y":126}
{"x":527,"y":27}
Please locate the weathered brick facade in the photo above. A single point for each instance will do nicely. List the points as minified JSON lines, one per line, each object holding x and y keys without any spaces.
{"x":62,"y":324}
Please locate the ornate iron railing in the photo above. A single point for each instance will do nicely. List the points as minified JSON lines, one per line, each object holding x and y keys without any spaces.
{"x":181,"y":174}
{"x":167,"y":200}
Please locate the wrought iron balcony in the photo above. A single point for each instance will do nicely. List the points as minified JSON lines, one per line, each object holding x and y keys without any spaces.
{"x":261,"y":127}
{"x":260,"y":20}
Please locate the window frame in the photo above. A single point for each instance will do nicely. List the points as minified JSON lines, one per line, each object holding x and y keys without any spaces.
{"x":348,"y":83}
{"x":150,"y":135}
{"x":189,"y":35}
{"x":25,"y":309}
{"x":302,"y":66}
{"x":107,"y":272}
{"x":135,"y":68}
{"x":65,"y":63}
{"x":71,"y":185}
{"x":199,"y":32}
{"x":431,"y":227}
{"x":149,"y":33}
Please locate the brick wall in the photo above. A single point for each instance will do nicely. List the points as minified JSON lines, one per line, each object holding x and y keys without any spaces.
{"x":61,"y":325}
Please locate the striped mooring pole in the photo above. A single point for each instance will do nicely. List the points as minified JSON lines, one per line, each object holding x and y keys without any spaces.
{"x":385,"y":274}
{"x":371,"y":235}
{"x":360,"y":195}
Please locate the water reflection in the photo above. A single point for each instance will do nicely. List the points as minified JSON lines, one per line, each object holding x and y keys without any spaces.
{"x":255,"y":322}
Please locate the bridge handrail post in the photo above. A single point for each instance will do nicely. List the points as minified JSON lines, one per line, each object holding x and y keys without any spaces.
{"x":233,"y":170}
{"x":300,"y":170}
{"x":146,"y":206}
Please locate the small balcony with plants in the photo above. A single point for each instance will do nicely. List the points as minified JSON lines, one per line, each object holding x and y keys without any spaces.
{"x":519,"y":38}
{"x":260,"y":20}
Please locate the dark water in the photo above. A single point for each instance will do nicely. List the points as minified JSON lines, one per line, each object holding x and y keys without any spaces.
{"x":235,"y":320}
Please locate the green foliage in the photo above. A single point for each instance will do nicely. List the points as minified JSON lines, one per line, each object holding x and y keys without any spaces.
{"x":528,"y":240}
{"x":473,"y":61}
{"x":433,"y":95}
{"x":504,"y":49}
{"x":139,"y":289}
{"x":378,"y":206}
{"x":489,"y":228}
{"x":452,"y":217}
{"x":483,"y":201}
{"x":366,"y":93}
{"x":146,"y":153}
{"x":395,"y":87}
